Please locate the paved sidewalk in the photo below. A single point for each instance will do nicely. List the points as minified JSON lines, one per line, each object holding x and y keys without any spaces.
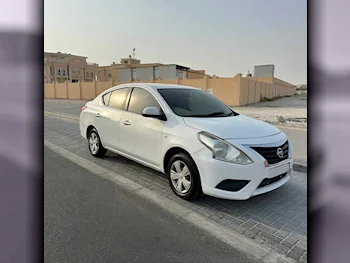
{"x":277,"y":219}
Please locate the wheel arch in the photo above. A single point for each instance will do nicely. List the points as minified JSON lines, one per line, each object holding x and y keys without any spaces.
{"x":171,"y":152}
{"x":88,"y":129}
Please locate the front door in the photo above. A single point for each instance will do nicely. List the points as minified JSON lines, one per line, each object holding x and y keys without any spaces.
{"x":140,"y":136}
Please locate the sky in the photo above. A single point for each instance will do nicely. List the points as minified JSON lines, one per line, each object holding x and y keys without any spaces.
{"x":223,"y":37}
{"x":332,"y":40}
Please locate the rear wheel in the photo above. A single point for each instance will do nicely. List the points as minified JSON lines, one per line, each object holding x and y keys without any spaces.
{"x":95,"y":145}
{"x":184,"y":177}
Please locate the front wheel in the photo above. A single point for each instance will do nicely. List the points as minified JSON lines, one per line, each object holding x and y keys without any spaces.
{"x":184,"y":177}
{"x":95,"y":145}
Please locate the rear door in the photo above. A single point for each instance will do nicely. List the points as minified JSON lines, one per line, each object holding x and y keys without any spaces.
{"x":108,"y":117}
{"x":140,"y":136}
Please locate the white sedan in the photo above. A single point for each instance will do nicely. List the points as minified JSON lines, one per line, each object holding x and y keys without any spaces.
{"x":199,"y":142}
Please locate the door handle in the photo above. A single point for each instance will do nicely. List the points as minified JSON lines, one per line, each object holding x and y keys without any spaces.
{"x":127,"y":123}
{"x":98,"y":115}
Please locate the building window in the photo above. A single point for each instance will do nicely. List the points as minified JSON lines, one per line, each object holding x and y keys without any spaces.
{"x":87,"y":74}
{"x":58,"y":72}
{"x":109,"y":75}
{"x":133,"y":74}
{"x":73,"y":72}
{"x":63,"y":72}
{"x":179,"y":74}
{"x":79,"y":72}
{"x":50,"y":70}
{"x":156,"y":72}
{"x":91,"y":74}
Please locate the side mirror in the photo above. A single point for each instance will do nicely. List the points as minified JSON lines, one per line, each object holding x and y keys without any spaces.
{"x":153,"y":112}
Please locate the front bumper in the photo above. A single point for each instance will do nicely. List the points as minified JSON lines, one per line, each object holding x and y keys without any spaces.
{"x":257,"y":178}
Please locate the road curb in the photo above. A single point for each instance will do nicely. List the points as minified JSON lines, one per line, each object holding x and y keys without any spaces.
{"x":62,"y":115}
{"x":300,"y":167}
{"x":238,"y":241}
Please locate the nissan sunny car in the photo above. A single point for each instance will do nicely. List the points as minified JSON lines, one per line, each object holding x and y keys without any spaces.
{"x":199,"y":142}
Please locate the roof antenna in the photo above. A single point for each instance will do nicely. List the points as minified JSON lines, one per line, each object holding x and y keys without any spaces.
{"x":133,"y":53}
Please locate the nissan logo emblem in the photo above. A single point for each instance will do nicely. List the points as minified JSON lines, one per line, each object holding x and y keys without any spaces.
{"x":280,"y":153}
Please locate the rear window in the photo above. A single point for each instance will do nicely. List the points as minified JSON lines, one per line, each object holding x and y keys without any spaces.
{"x":105,"y":98}
{"x":118,"y":98}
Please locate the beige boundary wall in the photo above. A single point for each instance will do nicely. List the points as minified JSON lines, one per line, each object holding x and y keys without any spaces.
{"x":236,"y":91}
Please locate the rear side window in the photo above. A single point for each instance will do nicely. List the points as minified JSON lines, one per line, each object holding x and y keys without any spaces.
{"x":118,"y":98}
{"x":105,"y":98}
{"x":141,"y":99}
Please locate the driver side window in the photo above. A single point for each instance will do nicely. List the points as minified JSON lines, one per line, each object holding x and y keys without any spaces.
{"x":141,"y":99}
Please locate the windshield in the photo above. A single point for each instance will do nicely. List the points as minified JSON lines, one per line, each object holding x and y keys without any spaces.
{"x":195,"y":103}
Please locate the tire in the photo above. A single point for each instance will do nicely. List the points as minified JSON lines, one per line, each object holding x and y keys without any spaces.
{"x":95,"y":145}
{"x":177,"y":163}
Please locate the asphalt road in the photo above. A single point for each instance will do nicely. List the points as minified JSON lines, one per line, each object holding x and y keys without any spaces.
{"x":88,"y":219}
{"x":298,"y":137}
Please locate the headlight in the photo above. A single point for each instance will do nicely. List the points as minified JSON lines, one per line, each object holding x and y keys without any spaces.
{"x":222,"y":150}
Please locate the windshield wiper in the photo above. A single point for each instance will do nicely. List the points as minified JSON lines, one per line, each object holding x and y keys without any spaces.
{"x":207,"y":115}
{"x":215,"y":114}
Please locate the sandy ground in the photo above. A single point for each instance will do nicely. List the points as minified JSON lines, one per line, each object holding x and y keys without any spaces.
{"x":292,"y":109}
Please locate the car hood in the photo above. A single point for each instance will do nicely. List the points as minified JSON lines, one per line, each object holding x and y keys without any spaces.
{"x":235,"y":127}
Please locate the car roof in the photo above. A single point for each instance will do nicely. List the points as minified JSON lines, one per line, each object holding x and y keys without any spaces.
{"x":164,"y":86}
{"x":153,"y":86}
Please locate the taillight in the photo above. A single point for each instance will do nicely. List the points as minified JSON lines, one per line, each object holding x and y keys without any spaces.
{"x":83,"y":108}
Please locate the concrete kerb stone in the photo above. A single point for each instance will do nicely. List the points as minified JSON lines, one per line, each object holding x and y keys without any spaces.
{"x":300,"y":168}
{"x":238,"y":241}
{"x":62,"y":115}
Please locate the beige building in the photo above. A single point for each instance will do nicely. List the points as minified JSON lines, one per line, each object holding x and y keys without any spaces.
{"x":62,"y":70}
{"x":131,"y":69}
{"x":107,"y":73}
{"x":60,"y":67}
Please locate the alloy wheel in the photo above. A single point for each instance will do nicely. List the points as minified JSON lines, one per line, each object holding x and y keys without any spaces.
{"x":94,"y":143}
{"x":180,"y":176}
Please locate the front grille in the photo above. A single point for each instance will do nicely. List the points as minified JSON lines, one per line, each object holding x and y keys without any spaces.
{"x":270,"y":153}
{"x":268,"y":181}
